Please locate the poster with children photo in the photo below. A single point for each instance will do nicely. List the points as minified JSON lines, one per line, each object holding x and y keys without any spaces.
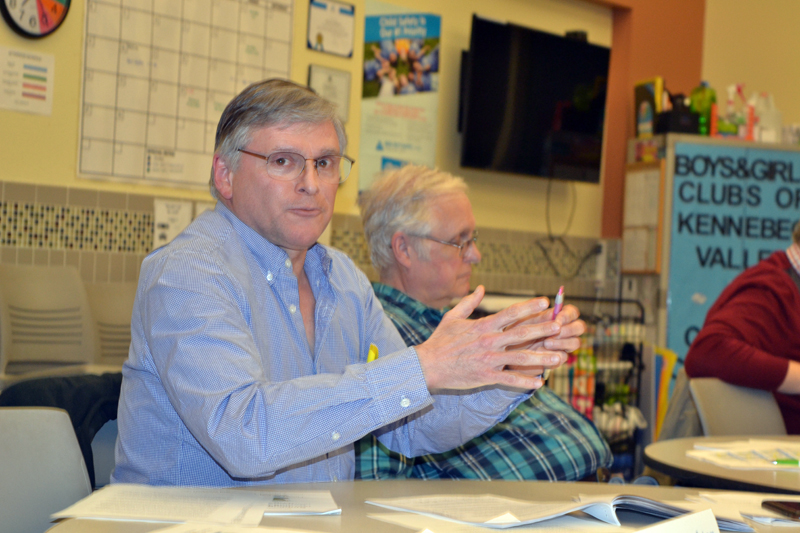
{"x":401,"y":54}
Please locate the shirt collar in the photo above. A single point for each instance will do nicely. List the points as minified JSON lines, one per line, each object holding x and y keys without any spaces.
{"x":793,"y":253}
{"x":406,"y":302}
{"x":272,"y":258}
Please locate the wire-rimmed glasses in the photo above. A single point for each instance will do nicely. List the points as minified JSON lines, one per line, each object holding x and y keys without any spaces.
{"x":287,"y":166}
{"x":462,"y":246}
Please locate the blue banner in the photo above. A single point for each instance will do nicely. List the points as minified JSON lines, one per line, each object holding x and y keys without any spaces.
{"x":410,"y":26}
{"x":400,"y":101}
{"x":731,"y":207}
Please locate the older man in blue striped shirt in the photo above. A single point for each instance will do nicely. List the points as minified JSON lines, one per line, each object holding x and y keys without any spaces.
{"x":249,"y":360}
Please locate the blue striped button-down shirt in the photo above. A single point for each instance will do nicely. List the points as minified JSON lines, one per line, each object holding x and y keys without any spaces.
{"x":222,"y":389}
{"x":543,"y":438}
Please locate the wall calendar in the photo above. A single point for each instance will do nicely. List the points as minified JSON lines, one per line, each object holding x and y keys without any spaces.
{"x":157,"y":75}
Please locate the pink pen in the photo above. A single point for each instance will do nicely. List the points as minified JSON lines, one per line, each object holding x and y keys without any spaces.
{"x":556,"y":309}
{"x":559,"y":302}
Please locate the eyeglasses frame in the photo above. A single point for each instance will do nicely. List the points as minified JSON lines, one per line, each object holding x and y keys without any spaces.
{"x":305,"y":159}
{"x":462,"y":248}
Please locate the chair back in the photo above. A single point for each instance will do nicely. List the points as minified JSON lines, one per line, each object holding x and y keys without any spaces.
{"x":727,"y":409}
{"x":681,"y":419}
{"x":45,"y":319}
{"x":112,"y":307}
{"x":104,"y":446}
{"x":41,"y":467}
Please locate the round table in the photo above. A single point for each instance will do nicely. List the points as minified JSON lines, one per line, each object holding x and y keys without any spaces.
{"x":669,"y":457}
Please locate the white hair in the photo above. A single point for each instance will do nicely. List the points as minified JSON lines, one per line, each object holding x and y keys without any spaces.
{"x":400,"y":201}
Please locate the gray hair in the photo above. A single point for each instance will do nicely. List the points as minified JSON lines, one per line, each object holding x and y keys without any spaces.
{"x":274,"y":102}
{"x":400,"y":201}
{"x":796,"y":233}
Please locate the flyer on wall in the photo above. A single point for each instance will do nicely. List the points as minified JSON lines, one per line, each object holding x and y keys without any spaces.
{"x":399,"y":100}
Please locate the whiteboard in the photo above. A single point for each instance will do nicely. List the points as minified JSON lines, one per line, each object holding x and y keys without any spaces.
{"x":157,"y":75}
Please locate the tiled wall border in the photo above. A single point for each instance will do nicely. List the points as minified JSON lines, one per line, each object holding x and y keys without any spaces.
{"x":106,"y":235}
{"x":513,"y":261}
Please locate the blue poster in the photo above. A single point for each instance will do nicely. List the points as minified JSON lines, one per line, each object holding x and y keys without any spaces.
{"x":399,"y":97}
{"x":401,"y":54}
{"x":731,"y":208}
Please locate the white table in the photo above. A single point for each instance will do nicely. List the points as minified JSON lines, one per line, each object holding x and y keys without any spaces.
{"x":351,"y":496}
{"x":669,"y":457}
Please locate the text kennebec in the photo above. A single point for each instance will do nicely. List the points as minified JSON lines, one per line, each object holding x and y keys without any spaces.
{"x":740,"y":226}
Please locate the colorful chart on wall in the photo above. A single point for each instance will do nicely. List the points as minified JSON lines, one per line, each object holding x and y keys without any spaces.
{"x":157,"y":76}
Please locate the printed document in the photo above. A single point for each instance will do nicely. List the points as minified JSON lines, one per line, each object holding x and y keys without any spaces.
{"x":183,"y":504}
{"x":500,"y":513}
{"x":753,"y":454}
{"x":489,"y":511}
{"x":562,"y":524}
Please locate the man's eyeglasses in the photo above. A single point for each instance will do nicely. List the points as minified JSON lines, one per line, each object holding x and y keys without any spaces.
{"x":462,"y":246}
{"x":287,"y":166}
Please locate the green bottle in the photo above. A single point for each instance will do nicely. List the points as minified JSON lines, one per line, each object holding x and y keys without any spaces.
{"x":701,"y":99}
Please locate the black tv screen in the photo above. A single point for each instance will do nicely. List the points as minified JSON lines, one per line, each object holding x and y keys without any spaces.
{"x":533,"y":103}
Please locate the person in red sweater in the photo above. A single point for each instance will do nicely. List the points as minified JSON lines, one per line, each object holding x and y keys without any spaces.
{"x":751,"y":336}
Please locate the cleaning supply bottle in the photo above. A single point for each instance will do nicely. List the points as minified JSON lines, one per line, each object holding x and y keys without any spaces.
{"x":727,"y":124}
{"x":701,"y":99}
{"x":769,"y":120}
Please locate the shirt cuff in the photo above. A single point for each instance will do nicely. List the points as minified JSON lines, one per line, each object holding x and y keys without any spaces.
{"x":398,"y":385}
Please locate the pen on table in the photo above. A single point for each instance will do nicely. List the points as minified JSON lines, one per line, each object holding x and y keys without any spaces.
{"x":786,"y":462}
{"x":556,"y":309}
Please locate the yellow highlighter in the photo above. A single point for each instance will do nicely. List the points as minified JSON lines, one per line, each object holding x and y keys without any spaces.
{"x":373,"y":353}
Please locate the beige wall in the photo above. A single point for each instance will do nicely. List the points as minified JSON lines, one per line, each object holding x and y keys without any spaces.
{"x":754,"y":43}
{"x":43,"y":149}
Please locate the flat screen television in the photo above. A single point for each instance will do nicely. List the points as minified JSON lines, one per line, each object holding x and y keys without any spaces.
{"x":532,"y":103}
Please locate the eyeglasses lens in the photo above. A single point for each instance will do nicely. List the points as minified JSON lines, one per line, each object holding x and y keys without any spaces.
{"x":288,"y":166}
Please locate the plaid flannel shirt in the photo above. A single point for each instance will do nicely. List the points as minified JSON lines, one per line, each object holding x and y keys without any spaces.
{"x":542,"y":439}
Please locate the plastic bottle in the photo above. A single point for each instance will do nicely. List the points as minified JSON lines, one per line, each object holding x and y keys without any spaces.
{"x":701,"y":99}
{"x":769,"y":120}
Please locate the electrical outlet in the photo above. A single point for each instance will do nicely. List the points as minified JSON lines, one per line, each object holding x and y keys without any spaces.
{"x":601,"y":262}
{"x":630,"y":288}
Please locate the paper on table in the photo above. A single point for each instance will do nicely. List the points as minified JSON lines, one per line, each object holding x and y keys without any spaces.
{"x":193,"y":527}
{"x":753,"y":454}
{"x":699,"y":522}
{"x":180,"y":504}
{"x":486,"y":510}
{"x":754,"y":443}
{"x":307,"y":502}
{"x":561,"y":524}
{"x":497,"y":512}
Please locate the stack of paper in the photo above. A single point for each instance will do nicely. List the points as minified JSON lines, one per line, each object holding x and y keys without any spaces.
{"x":497,"y":512}
{"x":183,"y":504}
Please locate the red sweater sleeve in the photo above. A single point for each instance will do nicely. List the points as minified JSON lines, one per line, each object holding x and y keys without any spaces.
{"x":734,"y":343}
{"x":751,"y":330}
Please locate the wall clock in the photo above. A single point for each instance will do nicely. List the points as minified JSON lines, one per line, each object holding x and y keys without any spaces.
{"x":34,"y":18}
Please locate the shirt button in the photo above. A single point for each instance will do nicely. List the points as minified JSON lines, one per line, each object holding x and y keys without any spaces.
{"x":405,"y":402}
{"x":335,"y":435}
{"x":288,"y":264}
{"x":292,"y":309}
{"x":269,"y":276}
